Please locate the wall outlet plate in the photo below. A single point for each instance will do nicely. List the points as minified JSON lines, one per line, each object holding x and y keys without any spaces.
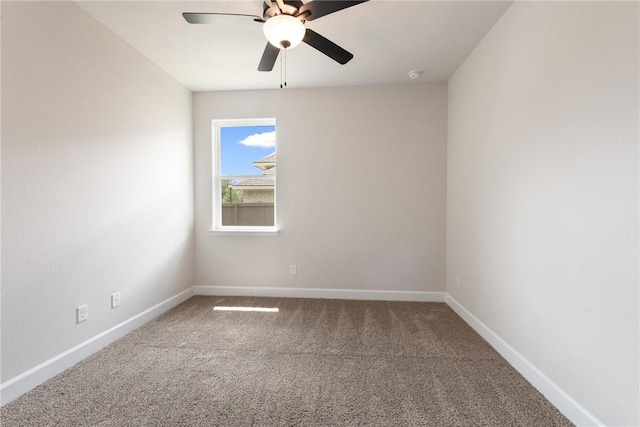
{"x":82,"y":313}
{"x":293,"y":270}
{"x":115,"y":300}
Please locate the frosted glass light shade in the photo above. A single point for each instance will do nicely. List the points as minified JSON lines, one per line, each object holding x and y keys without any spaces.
{"x":284,"y":31}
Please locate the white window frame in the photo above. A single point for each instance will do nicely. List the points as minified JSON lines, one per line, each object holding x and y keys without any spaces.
{"x":217,"y":177}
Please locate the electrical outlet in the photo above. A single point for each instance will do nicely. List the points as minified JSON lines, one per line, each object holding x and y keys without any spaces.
{"x":293,"y":270}
{"x":115,"y":300}
{"x":458,"y":281}
{"x":82,"y":313}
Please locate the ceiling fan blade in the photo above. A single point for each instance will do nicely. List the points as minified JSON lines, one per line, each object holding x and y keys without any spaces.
{"x":219,"y":18}
{"x":319,"y":8}
{"x":327,"y":47}
{"x":269,"y":57}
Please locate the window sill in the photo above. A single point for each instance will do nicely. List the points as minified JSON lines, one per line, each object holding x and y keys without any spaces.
{"x":245,"y":232}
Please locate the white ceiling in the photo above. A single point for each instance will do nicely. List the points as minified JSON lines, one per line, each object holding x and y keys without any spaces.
{"x":387,"y":37}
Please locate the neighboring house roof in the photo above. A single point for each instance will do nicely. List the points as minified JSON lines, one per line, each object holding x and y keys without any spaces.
{"x":254,"y":184}
{"x":268,"y":165}
{"x":266,"y":162}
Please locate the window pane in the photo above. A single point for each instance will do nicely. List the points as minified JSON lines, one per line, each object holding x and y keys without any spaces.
{"x":245,"y":166}
{"x":248,"y":202}
{"x":243,"y":147}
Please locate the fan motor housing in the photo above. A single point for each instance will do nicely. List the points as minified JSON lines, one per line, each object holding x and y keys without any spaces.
{"x":291,"y":7}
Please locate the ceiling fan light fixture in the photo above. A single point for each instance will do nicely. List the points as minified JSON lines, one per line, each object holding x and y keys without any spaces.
{"x":284,"y":31}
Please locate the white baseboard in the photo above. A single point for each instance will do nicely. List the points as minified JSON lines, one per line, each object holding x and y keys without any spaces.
{"x":571,"y":409}
{"x":352,"y":294}
{"x":15,"y":387}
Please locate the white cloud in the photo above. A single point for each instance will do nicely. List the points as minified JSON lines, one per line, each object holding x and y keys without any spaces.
{"x":263,"y":140}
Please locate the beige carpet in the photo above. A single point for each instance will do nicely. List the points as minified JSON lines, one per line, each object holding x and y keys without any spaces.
{"x":314,"y":363}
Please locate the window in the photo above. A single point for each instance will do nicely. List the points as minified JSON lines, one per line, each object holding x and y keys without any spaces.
{"x":244,"y":176}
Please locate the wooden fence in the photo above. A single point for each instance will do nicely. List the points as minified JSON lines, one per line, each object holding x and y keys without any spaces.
{"x":254,"y":214}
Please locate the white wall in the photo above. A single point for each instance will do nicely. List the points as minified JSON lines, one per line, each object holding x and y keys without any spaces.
{"x":542,"y":198}
{"x":361,"y":189}
{"x":97,"y":181}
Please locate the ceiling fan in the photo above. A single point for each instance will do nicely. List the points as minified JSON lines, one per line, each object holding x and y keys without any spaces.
{"x":283,"y":25}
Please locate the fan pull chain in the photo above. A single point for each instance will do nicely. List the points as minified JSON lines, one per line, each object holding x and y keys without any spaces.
{"x":283,"y":69}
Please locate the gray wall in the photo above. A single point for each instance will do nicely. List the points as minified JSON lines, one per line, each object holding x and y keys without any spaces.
{"x":360,"y":192}
{"x":542,"y":189}
{"x":97,"y":181}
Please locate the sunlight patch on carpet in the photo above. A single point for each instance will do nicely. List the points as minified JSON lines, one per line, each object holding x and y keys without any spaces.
{"x":260,"y":309}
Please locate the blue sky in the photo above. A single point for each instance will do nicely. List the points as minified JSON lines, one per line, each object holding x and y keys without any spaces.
{"x":241,"y":146}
